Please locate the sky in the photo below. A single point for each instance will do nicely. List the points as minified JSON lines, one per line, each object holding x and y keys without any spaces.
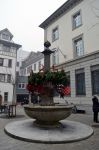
{"x":23,"y":17}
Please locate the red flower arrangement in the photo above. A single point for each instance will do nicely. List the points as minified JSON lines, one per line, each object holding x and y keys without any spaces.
{"x":34,"y":88}
{"x":58,"y":80}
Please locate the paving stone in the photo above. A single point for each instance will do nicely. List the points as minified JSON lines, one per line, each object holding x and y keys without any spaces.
{"x":8,"y":143}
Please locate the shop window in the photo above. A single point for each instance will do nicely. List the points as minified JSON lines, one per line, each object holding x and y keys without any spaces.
{"x":95,"y":79}
{"x":5,"y":96}
{"x":80,"y":82}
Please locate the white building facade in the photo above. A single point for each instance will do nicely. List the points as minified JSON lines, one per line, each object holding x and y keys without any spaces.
{"x":8,"y":54}
{"x":73,"y":31}
{"x":33,"y":62}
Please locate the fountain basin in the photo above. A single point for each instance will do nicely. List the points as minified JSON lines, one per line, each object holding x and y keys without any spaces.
{"x":48,"y":115}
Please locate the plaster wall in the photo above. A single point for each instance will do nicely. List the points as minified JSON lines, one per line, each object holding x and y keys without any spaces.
{"x":89,"y":29}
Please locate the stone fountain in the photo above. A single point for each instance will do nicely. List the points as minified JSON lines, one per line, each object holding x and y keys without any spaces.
{"x":48,"y":113}
{"x":48,"y":123}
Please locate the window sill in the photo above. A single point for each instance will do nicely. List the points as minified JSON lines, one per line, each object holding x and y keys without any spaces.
{"x":55,"y":40}
{"x":74,"y":28}
{"x":80,"y":95}
{"x":78,"y":56}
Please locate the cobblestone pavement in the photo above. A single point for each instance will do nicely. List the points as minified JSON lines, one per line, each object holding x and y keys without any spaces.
{"x":8,"y":143}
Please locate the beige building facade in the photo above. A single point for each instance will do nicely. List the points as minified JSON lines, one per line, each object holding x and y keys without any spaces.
{"x":73,"y":31}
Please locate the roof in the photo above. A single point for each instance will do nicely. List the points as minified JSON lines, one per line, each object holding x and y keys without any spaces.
{"x":7,"y":43}
{"x":6,"y":30}
{"x":32,"y":58}
{"x":60,"y":11}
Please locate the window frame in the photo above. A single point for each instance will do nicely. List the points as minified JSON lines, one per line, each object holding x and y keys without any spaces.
{"x":94,"y":69}
{"x":19,"y":85}
{"x":22,"y":85}
{"x":79,"y":72}
{"x":35,"y":67}
{"x":29,"y":69}
{"x":5,"y":100}
{"x":55,"y":57}
{"x":74,"y":26}
{"x":2,"y":61}
{"x":17,"y":64}
{"x":10,"y":63}
{"x":74,"y":46}
{"x":24,"y":71}
{"x":5,"y":37}
{"x":39,"y":65}
{"x":1,"y":74}
{"x":6,"y":48}
{"x":53,"y":33}
{"x":9,"y":78}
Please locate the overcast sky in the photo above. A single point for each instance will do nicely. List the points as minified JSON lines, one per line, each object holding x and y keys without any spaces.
{"x":22,"y":18}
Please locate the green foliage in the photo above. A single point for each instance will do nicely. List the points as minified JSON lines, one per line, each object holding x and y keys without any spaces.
{"x":60,"y":78}
{"x":35,"y":78}
{"x":55,"y":78}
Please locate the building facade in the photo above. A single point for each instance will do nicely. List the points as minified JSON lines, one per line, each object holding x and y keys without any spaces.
{"x":73,"y":31}
{"x":22,"y":95}
{"x":8,"y":54}
{"x":21,"y":55}
{"x":34,"y":61}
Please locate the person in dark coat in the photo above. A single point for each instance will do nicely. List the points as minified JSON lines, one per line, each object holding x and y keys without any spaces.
{"x":95,"y":108}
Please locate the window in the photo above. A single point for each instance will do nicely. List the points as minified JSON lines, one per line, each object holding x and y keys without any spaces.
{"x":9,"y":78}
{"x":2,"y":77}
{"x":9,"y":63}
{"x":5,"y":36}
{"x":5,"y":96}
{"x":78,"y":46}
{"x":6,"y":48}
{"x":68,"y":76}
{"x":95,"y":79}
{"x":17,"y":73}
{"x":80,"y":82}
{"x":21,"y":85}
{"x":39,"y":65}
{"x":17,"y":64}
{"x":29,"y":69}
{"x":55,"y":58}
{"x":77,"y":20}
{"x":24,"y":71}
{"x":1,"y":61}
{"x":55,"y":34}
{"x":21,"y":72}
{"x":34,"y":67}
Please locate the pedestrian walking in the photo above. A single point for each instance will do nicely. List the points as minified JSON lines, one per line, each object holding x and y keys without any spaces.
{"x":95,"y":108}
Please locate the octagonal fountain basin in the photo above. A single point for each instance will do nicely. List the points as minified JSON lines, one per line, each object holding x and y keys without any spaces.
{"x":48,"y":115}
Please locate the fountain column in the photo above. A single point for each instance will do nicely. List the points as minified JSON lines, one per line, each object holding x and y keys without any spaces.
{"x":47,"y":97}
{"x":47,"y":52}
